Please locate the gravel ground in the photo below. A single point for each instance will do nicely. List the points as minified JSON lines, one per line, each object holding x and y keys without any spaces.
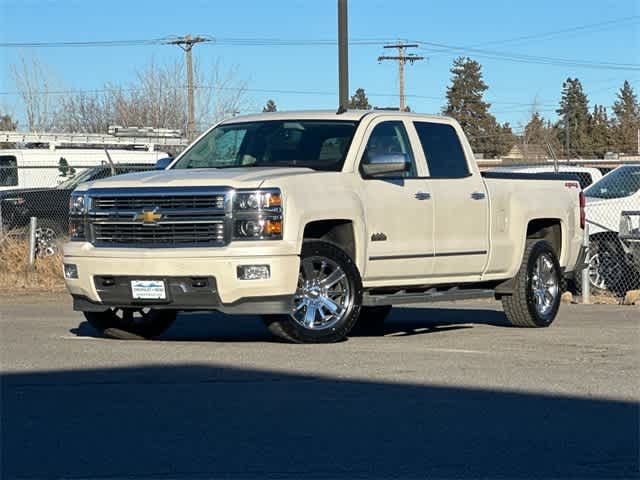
{"x":446,"y":392}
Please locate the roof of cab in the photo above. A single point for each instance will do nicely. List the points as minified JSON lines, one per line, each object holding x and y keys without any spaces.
{"x":353,"y":115}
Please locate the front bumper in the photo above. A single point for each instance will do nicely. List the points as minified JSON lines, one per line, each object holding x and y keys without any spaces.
{"x":204,"y":283}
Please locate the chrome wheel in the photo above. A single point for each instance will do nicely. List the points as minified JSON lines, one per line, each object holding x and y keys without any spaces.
{"x":46,"y":242}
{"x":595,"y":272}
{"x":544,"y":284}
{"x":324,"y":295}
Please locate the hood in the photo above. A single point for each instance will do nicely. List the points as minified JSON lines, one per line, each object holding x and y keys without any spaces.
{"x":19,"y":192}
{"x":603,"y":214}
{"x":242,"y":177}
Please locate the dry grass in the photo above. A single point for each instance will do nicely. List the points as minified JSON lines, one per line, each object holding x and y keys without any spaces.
{"x":16,"y":276}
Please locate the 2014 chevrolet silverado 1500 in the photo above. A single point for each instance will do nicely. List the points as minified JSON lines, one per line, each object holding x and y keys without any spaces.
{"x":315,"y":220}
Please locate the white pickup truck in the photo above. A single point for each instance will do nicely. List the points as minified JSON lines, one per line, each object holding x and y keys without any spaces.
{"x":315,"y":220}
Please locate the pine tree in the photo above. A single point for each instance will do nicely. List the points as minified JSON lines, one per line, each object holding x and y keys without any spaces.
{"x":7,"y":124}
{"x":599,"y":131}
{"x":63,"y":167}
{"x":626,"y":120}
{"x":270,"y":106}
{"x":359,"y":100}
{"x":465,"y":103}
{"x":538,"y":135}
{"x":574,"y":119}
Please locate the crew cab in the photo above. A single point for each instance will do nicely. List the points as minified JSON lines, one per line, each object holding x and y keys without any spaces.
{"x":318,"y":220}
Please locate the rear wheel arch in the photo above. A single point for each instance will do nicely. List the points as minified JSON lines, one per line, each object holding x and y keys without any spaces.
{"x":549,"y":229}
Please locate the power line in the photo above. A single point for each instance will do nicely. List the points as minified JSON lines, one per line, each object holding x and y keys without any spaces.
{"x":99,"y":43}
{"x":592,"y":27}
{"x":532,"y":59}
{"x":220,"y":41}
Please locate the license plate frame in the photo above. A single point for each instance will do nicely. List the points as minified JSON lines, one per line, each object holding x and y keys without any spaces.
{"x":148,"y":289}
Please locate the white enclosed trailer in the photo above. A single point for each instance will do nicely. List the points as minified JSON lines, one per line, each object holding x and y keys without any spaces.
{"x":46,"y":167}
{"x":36,"y":168}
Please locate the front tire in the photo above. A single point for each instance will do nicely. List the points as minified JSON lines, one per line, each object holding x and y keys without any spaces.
{"x":328,"y":300}
{"x":536,"y":296}
{"x":130,"y":323}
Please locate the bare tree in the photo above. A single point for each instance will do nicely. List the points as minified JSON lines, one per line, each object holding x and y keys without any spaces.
{"x":85,"y":113}
{"x":34,"y":84}
{"x":157,"y":98}
{"x":228,"y":94}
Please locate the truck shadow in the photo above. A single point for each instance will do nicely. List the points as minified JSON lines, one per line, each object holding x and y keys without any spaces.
{"x":217,"y":327}
{"x":213,"y":421}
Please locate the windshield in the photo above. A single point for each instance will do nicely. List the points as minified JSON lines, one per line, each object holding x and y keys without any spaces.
{"x":78,"y":179}
{"x":622,"y":182}
{"x":320,"y":145}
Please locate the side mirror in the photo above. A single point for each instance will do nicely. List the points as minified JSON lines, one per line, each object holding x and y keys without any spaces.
{"x":385,"y":164}
{"x":163,"y":163}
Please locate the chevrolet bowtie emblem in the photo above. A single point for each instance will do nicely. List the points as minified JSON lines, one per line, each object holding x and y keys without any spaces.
{"x":148,"y":216}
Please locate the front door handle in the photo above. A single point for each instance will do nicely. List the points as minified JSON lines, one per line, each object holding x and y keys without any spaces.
{"x":478,"y":196}
{"x":422,"y":196}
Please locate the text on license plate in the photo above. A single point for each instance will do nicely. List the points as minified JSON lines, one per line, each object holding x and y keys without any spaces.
{"x":148,"y":289}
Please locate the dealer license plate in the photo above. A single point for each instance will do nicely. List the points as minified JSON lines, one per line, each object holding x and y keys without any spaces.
{"x":148,"y":289}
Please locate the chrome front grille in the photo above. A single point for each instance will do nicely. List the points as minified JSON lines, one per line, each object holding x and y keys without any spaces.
{"x":152,"y":217}
{"x":165,"y":203}
{"x":166,"y":234}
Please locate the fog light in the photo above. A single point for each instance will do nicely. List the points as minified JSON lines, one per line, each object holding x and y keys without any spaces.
{"x":70,"y":270}
{"x":254,"y":272}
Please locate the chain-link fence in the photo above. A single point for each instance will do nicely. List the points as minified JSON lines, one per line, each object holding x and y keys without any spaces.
{"x":613,"y":213}
{"x":43,"y":192}
{"x":612,"y":208}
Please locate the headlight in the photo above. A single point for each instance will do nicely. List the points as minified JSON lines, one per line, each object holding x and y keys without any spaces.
{"x":257,"y":215}
{"x":77,"y":204}
{"x":77,"y":217}
{"x":257,"y":200}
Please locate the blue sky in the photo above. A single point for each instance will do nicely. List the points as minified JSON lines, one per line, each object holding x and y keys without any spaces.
{"x":483,"y":24}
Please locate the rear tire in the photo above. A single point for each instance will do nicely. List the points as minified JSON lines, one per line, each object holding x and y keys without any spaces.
{"x":327,"y":303}
{"x":536,"y":296}
{"x":130,"y":323}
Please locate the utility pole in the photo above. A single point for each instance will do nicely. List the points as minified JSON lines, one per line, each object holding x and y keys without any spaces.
{"x":186,"y":43}
{"x":343,"y":57}
{"x":402,"y":58}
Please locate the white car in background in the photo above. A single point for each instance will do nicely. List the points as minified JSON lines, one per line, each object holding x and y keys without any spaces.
{"x":609,"y":266}
{"x":586,"y":175}
{"x":630,"y":235}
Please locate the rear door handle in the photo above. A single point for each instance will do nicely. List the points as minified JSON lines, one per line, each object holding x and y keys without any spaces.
{"x":422,"y":196}
{"x":478,"y":196}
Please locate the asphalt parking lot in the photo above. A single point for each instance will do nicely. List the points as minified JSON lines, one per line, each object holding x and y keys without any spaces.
{"x":444,"y":392}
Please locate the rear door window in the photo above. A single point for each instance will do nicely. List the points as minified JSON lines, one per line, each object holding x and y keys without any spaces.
{"x":8,"y":171}
{"x":442,"y":150}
